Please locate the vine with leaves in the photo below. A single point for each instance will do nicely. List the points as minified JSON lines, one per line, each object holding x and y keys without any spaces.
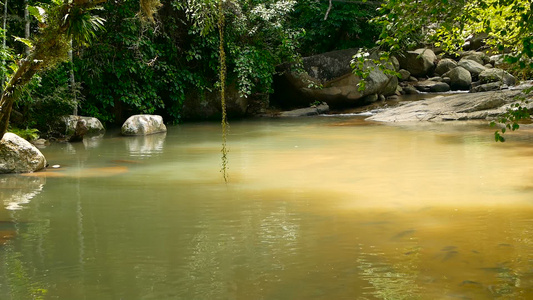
{"x":222,"y":54}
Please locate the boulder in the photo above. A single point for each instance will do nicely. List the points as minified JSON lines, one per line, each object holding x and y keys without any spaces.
{"x":471,"y":66}
{"x":460,"y":79}
{"x":410,"y":90}
{"x":497,"y":60}
{"x":68,"y":125}
{"x":492,"y":86}
{"x":143,"y":125}
{"x":404,"y":75}
{"x":476,"y":56}
{"x":445,"y":65}
{"x":436,"y":78}
{"x":432,"y":86}
{"x":19,"y":156}
{"x":371,"y":98}
{"x":496,"y":75}
{"x":80,"y":131}
{"x":328,"y":78}
{"x":420,"y":62}
{"x":395,"y":63}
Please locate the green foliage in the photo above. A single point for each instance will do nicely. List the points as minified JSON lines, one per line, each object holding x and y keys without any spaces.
{"x":29,"y":134}
{"x":46,"y":98}
{"x":131,"y":68}
{"x":346,"y":25}
{"x":448,"y":23}
{"x":363,"y":62}
{"x":83,"y":24}
{"x":512,"y":117}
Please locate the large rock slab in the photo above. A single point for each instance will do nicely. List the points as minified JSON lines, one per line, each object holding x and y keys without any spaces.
{"x":420,"y":62}
{"x":19,"y":156}
{"x":143,"y":125}
{"x":328,"y":78}
{"x":467,"y":106}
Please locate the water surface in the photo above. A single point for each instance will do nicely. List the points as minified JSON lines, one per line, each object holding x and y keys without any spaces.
{"x":315,"y":208}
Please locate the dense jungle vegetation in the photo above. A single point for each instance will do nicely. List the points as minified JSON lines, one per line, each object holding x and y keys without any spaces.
{"x":122,"y":62}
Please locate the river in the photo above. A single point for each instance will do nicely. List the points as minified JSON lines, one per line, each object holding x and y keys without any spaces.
{"x":315,"y":208}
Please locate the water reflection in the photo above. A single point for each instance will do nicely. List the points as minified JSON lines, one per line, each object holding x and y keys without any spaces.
{"x":147,"y":145}
{"x":16,"y":191}
{"x":93,"y":141}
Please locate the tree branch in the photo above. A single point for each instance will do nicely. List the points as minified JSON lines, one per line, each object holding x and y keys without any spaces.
{"x":327,"y":12}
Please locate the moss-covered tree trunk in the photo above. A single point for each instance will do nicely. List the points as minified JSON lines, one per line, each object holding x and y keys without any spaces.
{"x":25,"y":72}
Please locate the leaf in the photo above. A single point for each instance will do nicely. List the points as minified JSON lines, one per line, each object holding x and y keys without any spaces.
{"x":26,"y":42}
{"x":37,"y":12}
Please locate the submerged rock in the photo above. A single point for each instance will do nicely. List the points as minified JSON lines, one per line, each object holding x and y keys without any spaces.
{"x":309,"y":111}
{"x":143,"y":125}
{"x":19,"y":156}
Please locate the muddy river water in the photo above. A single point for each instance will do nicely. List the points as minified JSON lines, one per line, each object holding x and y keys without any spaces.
{"x":315,"y":208}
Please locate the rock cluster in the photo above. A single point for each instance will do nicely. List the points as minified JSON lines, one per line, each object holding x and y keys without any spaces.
{"x":471,"y":71}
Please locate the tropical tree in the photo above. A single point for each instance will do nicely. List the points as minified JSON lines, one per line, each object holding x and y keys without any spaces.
{"x":60,"y":21}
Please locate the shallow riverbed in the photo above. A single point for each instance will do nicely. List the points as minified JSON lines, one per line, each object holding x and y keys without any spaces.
{"x":315,"y":208}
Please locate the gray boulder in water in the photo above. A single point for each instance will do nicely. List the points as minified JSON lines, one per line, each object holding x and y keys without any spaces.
{"x":143,"y":125}
{"x":74,"y":127}
{"x":19,"y":156}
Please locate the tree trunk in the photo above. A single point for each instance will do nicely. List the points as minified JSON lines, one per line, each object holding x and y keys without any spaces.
{"x":4,"y":42}
{"x":27,"y":69}
{"x":26,"y":25}
{"x":72,"y":80}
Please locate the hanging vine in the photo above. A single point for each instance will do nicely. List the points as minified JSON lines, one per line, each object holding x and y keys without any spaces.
{"x":222,"y":54}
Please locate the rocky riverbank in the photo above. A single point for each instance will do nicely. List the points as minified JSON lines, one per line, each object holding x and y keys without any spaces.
{"x":453,"y":107}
